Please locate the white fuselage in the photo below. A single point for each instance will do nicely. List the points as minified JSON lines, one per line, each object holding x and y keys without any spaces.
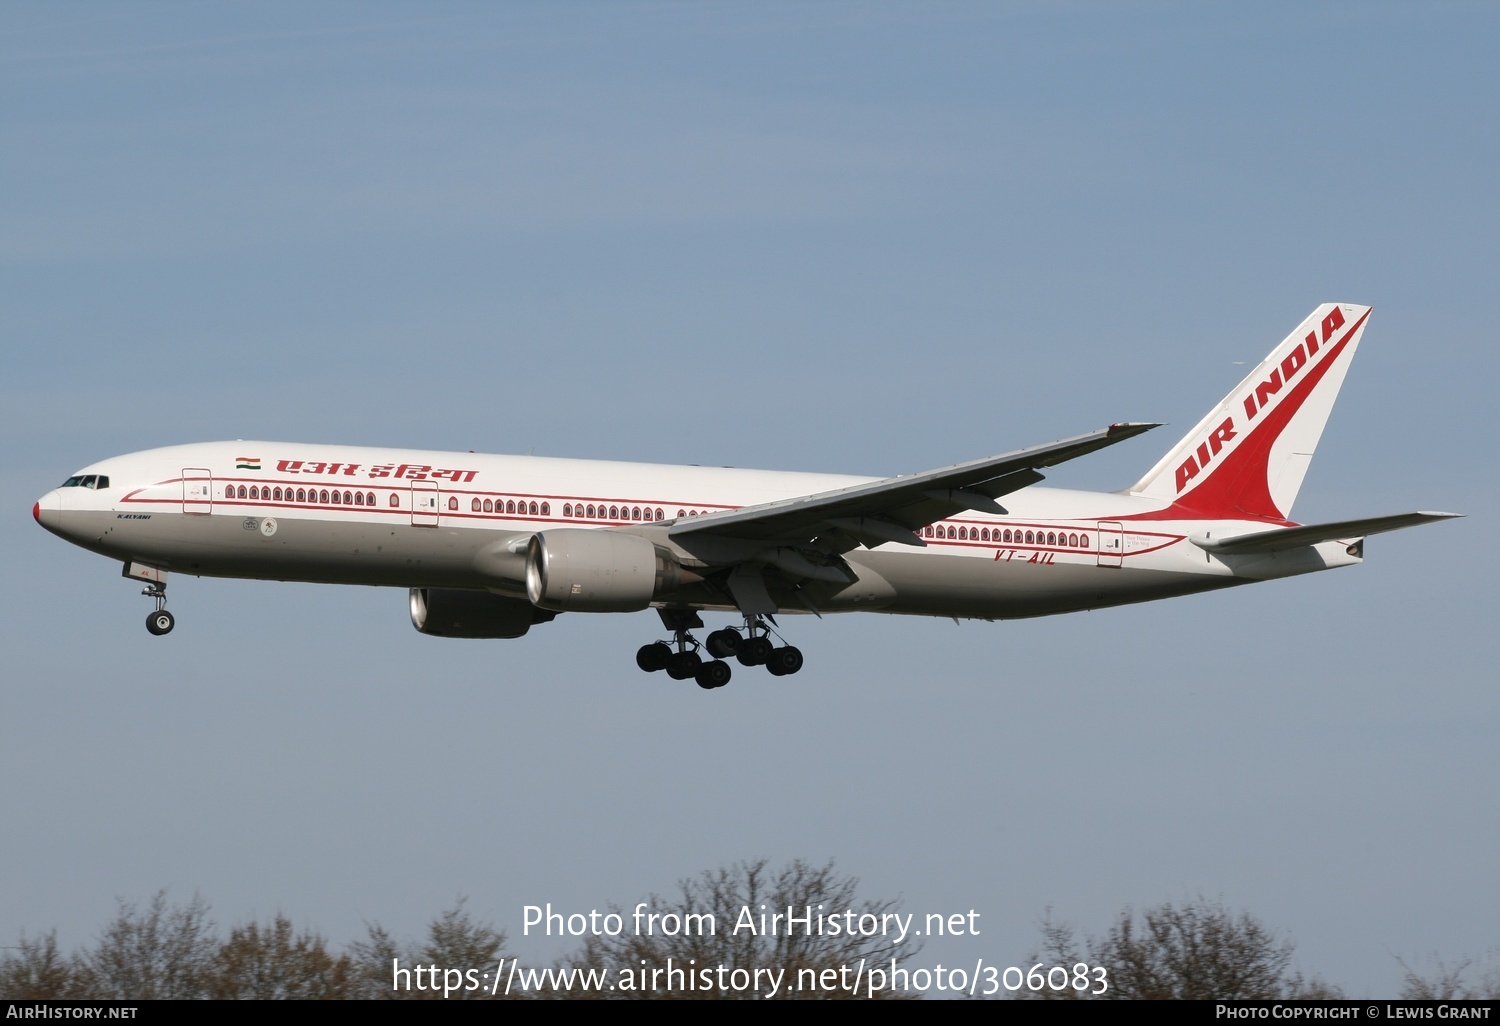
{"x":340,"y":514}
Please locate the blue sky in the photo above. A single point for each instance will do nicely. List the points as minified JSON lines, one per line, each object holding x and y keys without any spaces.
{"x":846,"y":238}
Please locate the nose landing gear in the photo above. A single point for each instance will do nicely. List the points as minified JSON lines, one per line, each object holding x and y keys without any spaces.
{"x":160,"y":622}
{"x":155,"y":578}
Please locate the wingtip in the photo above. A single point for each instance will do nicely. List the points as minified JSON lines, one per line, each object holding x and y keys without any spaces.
{"x":1131,"y":427}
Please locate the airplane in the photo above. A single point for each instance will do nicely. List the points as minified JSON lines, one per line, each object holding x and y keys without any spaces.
{"x":490,"y":546}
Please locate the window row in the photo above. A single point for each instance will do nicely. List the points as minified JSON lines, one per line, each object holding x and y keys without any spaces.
{"x":522,"y":507}
{"x":507,"y":506}
{"x":1054,"y":538}
{"x":590,"y":511}
{"x":332,"y":497}
{"x":571,"y":510}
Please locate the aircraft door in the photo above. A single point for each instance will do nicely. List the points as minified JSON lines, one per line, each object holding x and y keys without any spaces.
{"x":1111,"y":543}
{"x":424,"y":503}
{"x":197,"y":490}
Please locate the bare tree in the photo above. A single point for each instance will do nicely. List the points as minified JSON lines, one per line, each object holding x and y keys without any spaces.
{"x":276,"y":962}
{"x":37,"y":971}
{"x":1196,"y":951}
{"x":160,"y":952}
{"x":455,"y":941}
{"x":716,"y":920}
{"x":1059,"y":947}
{"x":1448,"y":983}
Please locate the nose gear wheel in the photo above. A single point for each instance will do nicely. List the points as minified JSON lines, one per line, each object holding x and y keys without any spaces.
{"x":160,"y":622}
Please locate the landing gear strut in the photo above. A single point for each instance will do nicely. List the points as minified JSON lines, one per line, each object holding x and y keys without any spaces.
{"x":757,"y":649}
{"x":155,"y":578}
{"x":161,"y":621}
{"x":681,"y":658}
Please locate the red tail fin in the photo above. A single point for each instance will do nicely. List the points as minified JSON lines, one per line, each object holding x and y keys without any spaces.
{"x":1249,"y":455}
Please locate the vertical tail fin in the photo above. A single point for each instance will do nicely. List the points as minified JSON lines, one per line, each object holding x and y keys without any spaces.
{"x":1249,"y":455}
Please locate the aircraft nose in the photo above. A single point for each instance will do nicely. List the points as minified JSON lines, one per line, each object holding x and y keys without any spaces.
{"x":47,"y":511}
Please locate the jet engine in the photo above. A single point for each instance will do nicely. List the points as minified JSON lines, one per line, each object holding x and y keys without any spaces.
{"x":599,"y":571}
{"x":450,"y":613}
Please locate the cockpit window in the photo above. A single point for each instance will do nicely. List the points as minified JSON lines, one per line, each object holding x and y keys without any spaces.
{"x":87,"y":481}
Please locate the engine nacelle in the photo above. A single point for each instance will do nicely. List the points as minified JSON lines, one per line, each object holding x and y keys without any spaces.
{"x":598,"y":571}
{"x":450,"y":613}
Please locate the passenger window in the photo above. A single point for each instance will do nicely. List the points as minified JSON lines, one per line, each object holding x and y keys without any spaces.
{"x":476,"y":506}
{"x":453,"y":502}
{"x":395,"y":500}
{"x":546,"y":509}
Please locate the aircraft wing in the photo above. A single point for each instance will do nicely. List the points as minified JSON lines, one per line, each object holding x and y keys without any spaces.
{"x":894,"y":509}
{"x":1297,"y":537}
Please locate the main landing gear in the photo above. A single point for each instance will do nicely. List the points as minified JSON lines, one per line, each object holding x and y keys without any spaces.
{"x":161,"y":621}
{"x":681,"y":658}
{"x":682,"y":661}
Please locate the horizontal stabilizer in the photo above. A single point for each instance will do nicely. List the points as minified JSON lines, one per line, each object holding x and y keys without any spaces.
{"x":1298,"y":537}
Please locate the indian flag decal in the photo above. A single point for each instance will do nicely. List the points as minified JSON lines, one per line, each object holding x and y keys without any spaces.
{"x":247,"y":463}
